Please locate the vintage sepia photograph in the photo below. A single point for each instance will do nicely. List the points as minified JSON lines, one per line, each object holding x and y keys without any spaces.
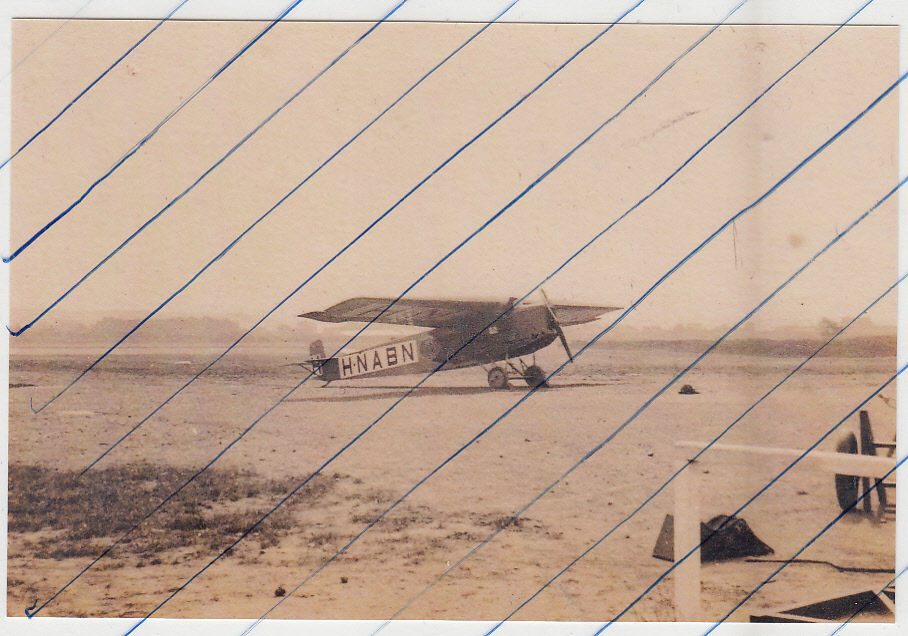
{"x":474,"y":325}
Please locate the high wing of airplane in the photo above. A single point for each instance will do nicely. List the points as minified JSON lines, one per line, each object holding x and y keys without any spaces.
{"x":453,"y":338}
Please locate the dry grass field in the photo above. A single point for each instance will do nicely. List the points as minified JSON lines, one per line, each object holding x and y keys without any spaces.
{"x":59,"y":521}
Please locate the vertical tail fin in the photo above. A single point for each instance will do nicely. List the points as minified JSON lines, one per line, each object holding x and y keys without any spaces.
{"x":319,"y":364}
{"x":317,"y":350}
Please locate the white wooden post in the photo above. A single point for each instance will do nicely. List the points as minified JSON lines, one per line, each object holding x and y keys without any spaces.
{"x":687,"y":537}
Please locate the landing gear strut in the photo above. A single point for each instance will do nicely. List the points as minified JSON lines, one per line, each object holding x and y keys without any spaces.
{"x":500,"y":377}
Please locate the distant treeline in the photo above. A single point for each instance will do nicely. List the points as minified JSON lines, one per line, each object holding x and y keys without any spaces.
{"x":855,"y":347}
{"x":168,"y":331}
{"x":222,"y":331}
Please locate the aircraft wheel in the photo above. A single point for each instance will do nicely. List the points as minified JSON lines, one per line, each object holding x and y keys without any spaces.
{"x":847,"y":486}
{"x":498,"y":378}
{"x":535,"y":377}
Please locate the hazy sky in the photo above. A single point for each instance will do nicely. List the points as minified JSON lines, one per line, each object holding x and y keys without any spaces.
{"x":602,"y":180}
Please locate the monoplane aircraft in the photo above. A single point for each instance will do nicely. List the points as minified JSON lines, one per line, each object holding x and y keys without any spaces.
{"x":460,"y":336}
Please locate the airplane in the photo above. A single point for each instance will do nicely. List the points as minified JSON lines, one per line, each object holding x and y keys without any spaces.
{"x":522,"y":331}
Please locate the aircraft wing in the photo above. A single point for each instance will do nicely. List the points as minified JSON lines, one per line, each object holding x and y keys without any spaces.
{"x":568,"y":315}
{"x":411,"y":312}
{"x":439,"y":313}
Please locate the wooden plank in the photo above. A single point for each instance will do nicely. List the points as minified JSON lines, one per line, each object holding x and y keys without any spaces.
{"x":842,"y":463}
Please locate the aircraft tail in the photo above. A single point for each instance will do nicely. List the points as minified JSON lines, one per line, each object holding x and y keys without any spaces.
{"x":317,"y":350}
{"x":322,"y":366}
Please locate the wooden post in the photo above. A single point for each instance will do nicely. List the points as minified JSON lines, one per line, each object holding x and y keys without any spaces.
{"x":687,"y":537}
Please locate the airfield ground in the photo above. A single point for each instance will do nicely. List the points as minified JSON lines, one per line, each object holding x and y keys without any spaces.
{"x":58,"y":521}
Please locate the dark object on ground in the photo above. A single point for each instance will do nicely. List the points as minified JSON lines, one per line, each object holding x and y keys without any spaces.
{"x":665,"y":542}
{"x":343,"y":579}
{"x":280,"y":591}
{"x":734,"y":540}
{"x":688,"y":390}
{"x":879,"y":607}
{"x":840,"y":568}
{"x":730,"y":538}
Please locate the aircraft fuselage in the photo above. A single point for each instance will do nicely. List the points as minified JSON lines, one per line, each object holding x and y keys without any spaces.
{"x":520,"y":332}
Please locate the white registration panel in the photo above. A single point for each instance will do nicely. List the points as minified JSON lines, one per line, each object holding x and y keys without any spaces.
{"x":378,"y":359}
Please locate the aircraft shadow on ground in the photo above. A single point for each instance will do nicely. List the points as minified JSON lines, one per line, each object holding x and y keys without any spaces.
{"x":374,"y":392}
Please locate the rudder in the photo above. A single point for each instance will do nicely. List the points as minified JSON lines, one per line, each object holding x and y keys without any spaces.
{"x":317,"y":350}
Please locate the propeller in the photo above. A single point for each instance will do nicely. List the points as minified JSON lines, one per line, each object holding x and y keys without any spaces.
{"x":557,"y":326}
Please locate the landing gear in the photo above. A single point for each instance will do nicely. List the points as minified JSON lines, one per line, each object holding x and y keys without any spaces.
{"x":498,"y":378}
{"x":534,"y":377}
